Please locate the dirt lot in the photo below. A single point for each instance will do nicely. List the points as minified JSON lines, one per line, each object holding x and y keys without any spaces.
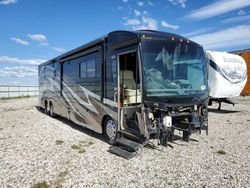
{"x":35,"y":148}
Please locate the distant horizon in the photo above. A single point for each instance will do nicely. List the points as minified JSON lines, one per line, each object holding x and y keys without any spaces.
{"x":33,"y":32}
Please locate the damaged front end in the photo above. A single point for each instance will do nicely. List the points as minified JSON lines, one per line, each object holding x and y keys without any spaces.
{"x":161,"y":122}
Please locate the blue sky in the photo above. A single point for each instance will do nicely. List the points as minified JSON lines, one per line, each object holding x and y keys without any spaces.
{"x":33,"y":31}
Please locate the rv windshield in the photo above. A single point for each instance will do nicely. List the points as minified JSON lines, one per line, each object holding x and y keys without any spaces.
{"x":173,"y":68}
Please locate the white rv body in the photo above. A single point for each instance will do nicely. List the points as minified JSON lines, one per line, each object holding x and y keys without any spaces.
{"x":226,"y":74}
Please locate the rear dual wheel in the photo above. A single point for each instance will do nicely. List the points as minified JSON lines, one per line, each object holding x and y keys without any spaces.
{"x":46,"y":110}
{"x":49,"y":110}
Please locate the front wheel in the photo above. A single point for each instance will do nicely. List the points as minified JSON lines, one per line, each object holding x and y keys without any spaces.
{"x":110,"y":130}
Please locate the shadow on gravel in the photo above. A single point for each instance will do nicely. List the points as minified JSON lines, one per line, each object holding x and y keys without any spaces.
{"x":222,"y":111}
{"x":101,"y":137}
{"x":76,"y":126}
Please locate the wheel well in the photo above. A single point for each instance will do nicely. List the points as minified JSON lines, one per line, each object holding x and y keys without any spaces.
{"x":45,"y":103}
{"x":103,"y":121}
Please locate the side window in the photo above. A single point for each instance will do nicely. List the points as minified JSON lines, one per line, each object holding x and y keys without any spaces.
{"x":83,"y":69}
{"x":91,"y":68}
{"x":114,"y":72}
{"x":89,"y":72}
{"x":88,"y":68}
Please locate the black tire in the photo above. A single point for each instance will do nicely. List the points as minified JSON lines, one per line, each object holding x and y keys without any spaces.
{"x":51,"y":110}
{"x":110,"y":130}
{"x":186,"y":136}
{"x":46,"y":108}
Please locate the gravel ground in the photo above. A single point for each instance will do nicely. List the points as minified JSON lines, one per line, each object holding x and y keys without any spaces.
{"x":36,"y":148}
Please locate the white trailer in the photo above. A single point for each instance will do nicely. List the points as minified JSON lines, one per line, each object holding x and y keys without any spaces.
{"x":227,"y":76}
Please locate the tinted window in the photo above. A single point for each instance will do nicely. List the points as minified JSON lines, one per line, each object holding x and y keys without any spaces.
{"x":83,"y":69}
{"x":173,"y":68}
{"x":88,"y":69}
{"x":114,"y":71}
{"x":91,"y":68}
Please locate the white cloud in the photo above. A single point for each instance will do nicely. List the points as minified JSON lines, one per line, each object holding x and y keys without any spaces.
{"x":18,"y":71}
{"x":231,"y":37}
{"x":182,"y":3}
{"x":6,"y":2}
{"x":38,"y":37}
{"x":241,"y":12}
{"x":137,"y":13}
{"x":124,"y":1}
{"x":58,"y":49}
{"x":133,"y":22}
{"x":42,"y":39}
{"x":149,"y":23}
{"x":167,"y":25}
{"x":236,"y":19}
{"x":142,"y":23}
{"x":197,"y":32}
{"x":151,"y":4}
{"x":12,"y":60}
{"x":119,"y":8}
{"x":20,"y":41}
{"x":218,"y":8}
{"x":140,"y":3}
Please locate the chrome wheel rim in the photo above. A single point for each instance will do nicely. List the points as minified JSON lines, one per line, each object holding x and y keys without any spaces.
{"x":111,"y":129}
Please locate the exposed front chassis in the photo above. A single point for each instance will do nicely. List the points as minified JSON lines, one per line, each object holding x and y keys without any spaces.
{"x":162,"y":123}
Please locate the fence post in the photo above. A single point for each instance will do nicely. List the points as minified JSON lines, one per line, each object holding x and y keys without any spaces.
{"x":8,"y":91}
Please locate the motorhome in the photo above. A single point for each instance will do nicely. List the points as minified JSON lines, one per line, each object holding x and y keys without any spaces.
{"x":227,"y":76}
{"x":132,"y":86}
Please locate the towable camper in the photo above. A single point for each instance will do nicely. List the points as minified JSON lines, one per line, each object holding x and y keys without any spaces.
{"x":130,"y":86}
{"x":245,"y":54}
{"x":227,"y":76}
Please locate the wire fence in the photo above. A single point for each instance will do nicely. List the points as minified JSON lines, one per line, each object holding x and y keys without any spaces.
{"x":10,"y":91}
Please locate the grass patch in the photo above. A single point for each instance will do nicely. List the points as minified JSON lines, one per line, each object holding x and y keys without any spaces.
{"x":59,"y":142}
{"x":40,"y":185}
{"x":221,"y":152}
{"x":18,"y":97}
{"x":75,"y":146}
{"x":81,"y":146}
{"x":82,"y":150}
{"x":91,"y":142}
{"x":87,"y":143}
{"x":59,"y":180}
